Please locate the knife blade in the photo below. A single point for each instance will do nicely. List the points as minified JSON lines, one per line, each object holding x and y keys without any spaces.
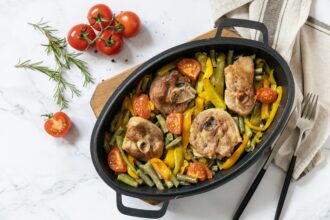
{"x":290,"y":126}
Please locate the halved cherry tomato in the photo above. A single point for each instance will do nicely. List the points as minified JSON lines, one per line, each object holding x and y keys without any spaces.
{"x":79,"y":35}
{"x":266,"y":95}
{"x":116,"y":161}
{"x":189,"y":67}
{"x":199,"y":170}
{"x":141,"y":106}
{"x":109,"y":42}
{"x":174,"y":122}
{"x":99,"y":15}
{"x":130,"y":23}
{"x":161,"y":168}
{"x":58,"y":124}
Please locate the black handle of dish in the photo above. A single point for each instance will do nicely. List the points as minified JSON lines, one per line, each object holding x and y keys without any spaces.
{"x":231,"y":22}
{"x":249,"y":194}
{"x":285,"y":187}
{"x":140,"y":212}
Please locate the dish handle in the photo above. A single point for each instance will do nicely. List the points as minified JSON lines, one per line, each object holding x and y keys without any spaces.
{"x":140,"y":212}
{"x":233,"y":22}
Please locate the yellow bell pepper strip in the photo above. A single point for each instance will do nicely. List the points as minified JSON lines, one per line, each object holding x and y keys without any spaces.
{"x":275,"y":106}
{"x":257,"y":137}
{"x":209,"y":69}
{"x":265,"y":107}
{"x":184,"y":167}
{"x":201,"y":57}
{"x":129,"y":170}
{"x":178,"y":159}
{"x":169,"y":158}
{"x":236,"y":155}
{"x":199,"y":85}
{"x":218,"y":75}
{"x":204,"y":95}
{"x":199,"y":105}
{"x":161,"y":168}
{"x":151,"y":105}
{"x":186,"y":131}
{"x":213,"y":96}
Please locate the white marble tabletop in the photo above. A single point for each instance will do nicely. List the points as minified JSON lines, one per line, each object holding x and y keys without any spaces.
{"x":46,"y":178}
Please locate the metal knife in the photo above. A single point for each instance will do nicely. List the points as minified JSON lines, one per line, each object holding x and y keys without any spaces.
{"x":290,"y":126}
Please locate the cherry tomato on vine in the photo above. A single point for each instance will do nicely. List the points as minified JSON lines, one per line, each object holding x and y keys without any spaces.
{"x":58,"y":124}
{"x":131,"y":23}
{"x":79,"y":35}
{"x":109,"y":42}
{"x":99,"y":15}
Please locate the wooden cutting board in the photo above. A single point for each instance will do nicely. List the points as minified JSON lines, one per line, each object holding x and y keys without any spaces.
{"x":105,"y":89}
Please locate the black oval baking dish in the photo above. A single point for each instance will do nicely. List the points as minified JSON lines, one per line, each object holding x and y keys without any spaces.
{"x":218,"y":43}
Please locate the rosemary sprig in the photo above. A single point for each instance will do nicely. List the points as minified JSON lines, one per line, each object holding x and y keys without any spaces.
{"x":81,"y":65}
{"x":56,"y":76}
{"x":63,"y":60}
{"x":57,"y":46}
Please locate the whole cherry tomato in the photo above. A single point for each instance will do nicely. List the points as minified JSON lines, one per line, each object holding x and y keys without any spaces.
{"x":131,"y":23}
{"x":99,"y":16}
{"x":109,"y":42}
{"x":80,"y":35}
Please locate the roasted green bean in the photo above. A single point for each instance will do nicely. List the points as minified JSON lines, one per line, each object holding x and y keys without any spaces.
{"x":186,"y":178}
{"x":173,"y":143}
{"x":175,"y":181}
{"x":118,"y":132}
{"x":119,"y":141}
{"x":153,"y":175}
{"x":230,"y":57}
{"x":162,"y":123}
{"x":127,"y":180}
{"x":212,"y":56}
{"x":256,"y":114}
{"x":241,"y":124}
{"x":169,"y":184}
{"x":145,"y":178}
{"x":165,"y":69}
{"x":184,"y":183}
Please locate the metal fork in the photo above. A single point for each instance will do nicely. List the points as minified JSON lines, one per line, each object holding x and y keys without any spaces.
{"x":305,"y":123}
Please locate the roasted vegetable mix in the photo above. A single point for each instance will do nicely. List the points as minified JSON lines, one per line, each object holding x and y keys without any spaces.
{"x":194,"y":117}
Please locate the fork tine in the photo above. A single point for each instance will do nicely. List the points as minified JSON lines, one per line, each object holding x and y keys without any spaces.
{"x":310,"y":106}
{"x":313,"y":112}
{"x":305,"y":104}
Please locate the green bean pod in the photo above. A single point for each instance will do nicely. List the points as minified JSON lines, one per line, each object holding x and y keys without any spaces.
{"x":118,"y":132}
{"x":173,"y":143}
{"x":145,"y":178}
{"x":153,"y":175}
{"x":169,"y":184}
{"x":184,"y":183}
{"x":127,"y":180}
{"x":162,"y":123}
{"x":186,"y":178}
{"x":175,"y":181}
{"x":241,"y":124}
{"x":119,"y":141}
{"x":230,"y":56}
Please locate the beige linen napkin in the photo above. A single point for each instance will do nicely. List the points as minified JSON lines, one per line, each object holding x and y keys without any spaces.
{"x":305,"y":45}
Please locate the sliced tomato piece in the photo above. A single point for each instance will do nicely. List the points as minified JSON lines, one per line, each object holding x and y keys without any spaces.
{"x":266,"y":95}
{"x":174,"y":123}
{"x":197,"y":170}
{"x":141,"y":106}
{"x":58,"y":124}
{"x":116,"y":161}
{"x":189,"y":67}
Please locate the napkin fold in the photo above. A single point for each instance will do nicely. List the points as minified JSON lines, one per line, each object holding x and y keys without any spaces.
{"x":305,"y":44}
